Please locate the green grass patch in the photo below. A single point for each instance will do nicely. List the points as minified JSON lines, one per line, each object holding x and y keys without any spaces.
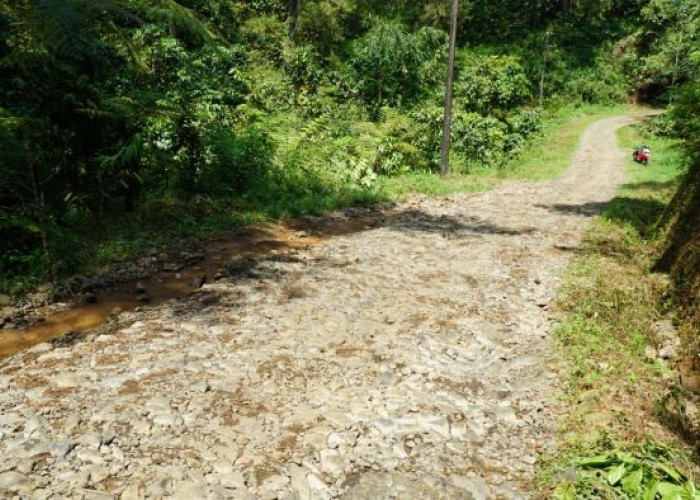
{"x":610,"y":303}
{"x":431,"y":184}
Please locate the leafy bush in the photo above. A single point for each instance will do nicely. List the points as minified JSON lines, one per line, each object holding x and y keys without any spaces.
{"x":352,"y":170}
{"x":487,"y":83}
{"x":387,"y":60}
{"x":241,"y":161}
{"x":322,"y":24}
{"x":525,"y":122}
{"x":481,"y":139}
{"x":266,"y":35}
{"x":601,"y":84}
{"x":395,"y":156}
{"x":522,"y":124}
{"x":433,"y":70}
{"x":302,"y":68}
{"x":426,"y":133}
{"x":270,"y":90}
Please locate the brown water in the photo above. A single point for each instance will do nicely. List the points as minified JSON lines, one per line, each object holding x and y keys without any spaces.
{"x":164,"y":286}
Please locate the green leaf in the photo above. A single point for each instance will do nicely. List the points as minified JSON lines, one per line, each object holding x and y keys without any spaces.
{"x":564,"y":492}
{"x":631,"y":483}
{"x":615,"y":474}
{"x":627,"y":458}
{"x":651,"y":489}
{"x":673,"y":474}
{"x":598,"y":461}
{"x":670,"y":491}
{"x":692,"y":491}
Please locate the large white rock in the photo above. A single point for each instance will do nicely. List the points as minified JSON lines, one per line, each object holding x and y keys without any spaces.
{"x":15,"y":482}
{"x":66,"y":380}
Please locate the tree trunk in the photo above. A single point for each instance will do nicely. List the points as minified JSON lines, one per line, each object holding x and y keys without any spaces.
{"x":674,"y":78}
{"x":39,"y":213}
{"x":449,"y":91}
{"x":293,"y":17}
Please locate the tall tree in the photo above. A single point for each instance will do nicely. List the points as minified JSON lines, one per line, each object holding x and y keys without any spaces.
{"x":294,"y":6}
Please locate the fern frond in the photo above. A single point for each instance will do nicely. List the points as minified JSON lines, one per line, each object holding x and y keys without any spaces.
{"x":181,"y":18}
{"x":61,"y":26}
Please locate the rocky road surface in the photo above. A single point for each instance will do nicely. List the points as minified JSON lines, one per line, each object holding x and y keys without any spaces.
{"x":404,"y":360}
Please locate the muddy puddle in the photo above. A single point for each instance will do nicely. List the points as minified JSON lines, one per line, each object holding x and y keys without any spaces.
{"x":165,"y":285}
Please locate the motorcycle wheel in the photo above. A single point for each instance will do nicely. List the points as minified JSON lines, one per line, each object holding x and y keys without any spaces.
{"x":635,"y":156}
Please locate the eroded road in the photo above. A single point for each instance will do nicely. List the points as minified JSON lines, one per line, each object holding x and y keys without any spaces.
{"x":408,"y":359}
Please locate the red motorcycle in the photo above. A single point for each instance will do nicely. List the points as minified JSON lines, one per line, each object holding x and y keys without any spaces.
{"x":642,"y":155}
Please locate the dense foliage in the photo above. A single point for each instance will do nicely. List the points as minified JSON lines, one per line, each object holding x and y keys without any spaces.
{"x":108,"y":105}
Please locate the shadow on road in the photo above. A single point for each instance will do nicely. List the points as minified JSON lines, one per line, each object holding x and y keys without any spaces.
{"x":590,"y":209}
{"x":452,"y":226}
{"x":640,"y":213}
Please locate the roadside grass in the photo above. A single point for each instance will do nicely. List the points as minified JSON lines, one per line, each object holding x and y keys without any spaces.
{"x":164,"y":220}
{"x":396,"y":188}
{"x":611,"y":439}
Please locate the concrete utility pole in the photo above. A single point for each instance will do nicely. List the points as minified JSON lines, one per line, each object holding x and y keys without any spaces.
{"x":449,"y":90}
{"x":545,"y":55}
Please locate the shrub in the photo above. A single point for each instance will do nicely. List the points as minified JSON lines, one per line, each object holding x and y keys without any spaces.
{"x":267,"y":35}
{"x":522,"y":124}
{"x":302,"y":68}
{"x":487,"y":83}
{"x":395,"y":156}
{"x":525,"y":122}
{"x":321,"y":24}
{"x":426,"y":133}
{"x":387,"y":60}
{"x":269,"y":89}
{"x":597,"y":85}
{"x":481,"y":139}
{"x":241,"y":161}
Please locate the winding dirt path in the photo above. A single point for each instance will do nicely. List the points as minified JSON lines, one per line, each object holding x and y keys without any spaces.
{"x":408,"y":359}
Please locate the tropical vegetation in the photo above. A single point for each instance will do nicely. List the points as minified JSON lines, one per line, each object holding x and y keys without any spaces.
{"x":115,"y":107}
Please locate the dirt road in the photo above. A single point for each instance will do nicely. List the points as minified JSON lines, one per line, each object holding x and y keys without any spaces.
{"x":408,"y":359}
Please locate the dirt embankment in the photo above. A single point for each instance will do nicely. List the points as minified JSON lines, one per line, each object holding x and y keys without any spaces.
{"x":681,"y":256}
